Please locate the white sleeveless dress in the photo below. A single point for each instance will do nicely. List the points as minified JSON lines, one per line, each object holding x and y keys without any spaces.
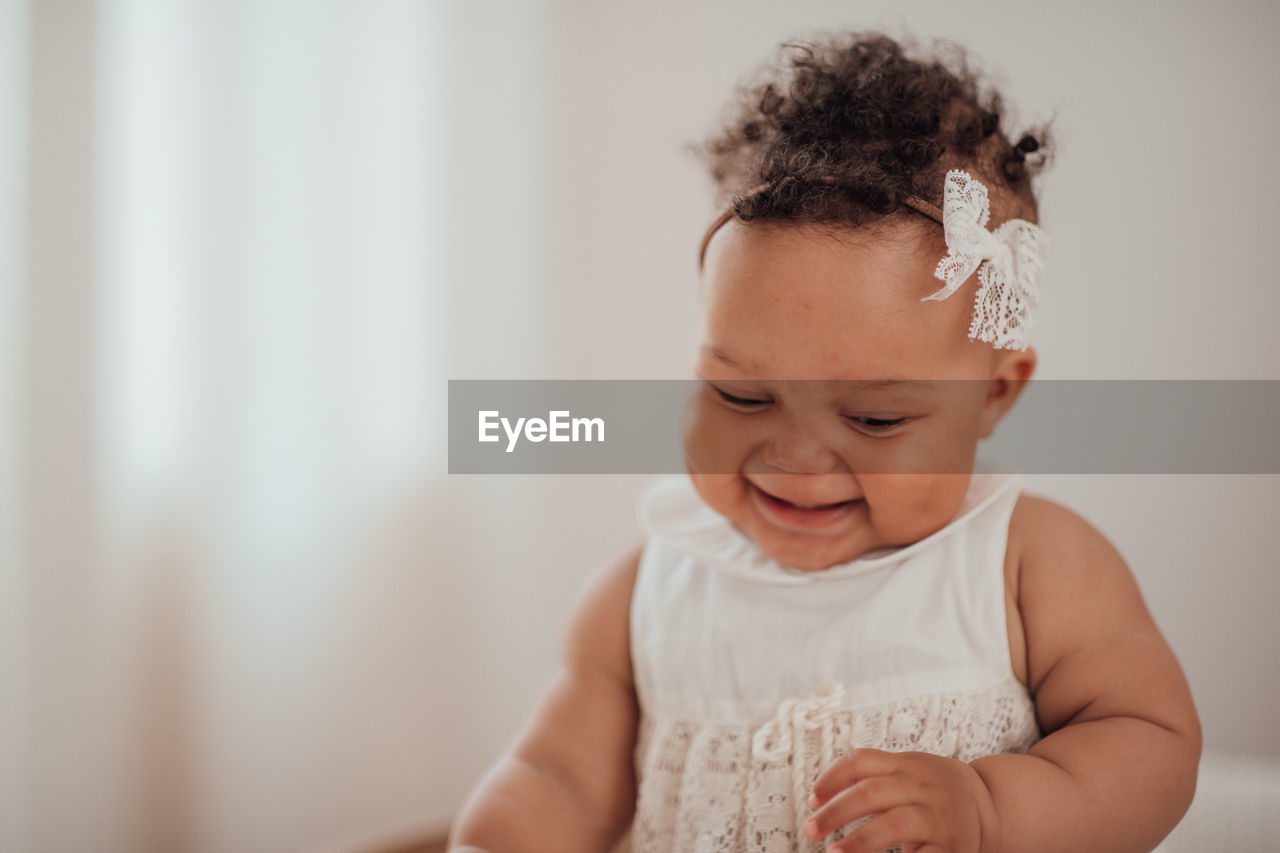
{"x":753,"y":678}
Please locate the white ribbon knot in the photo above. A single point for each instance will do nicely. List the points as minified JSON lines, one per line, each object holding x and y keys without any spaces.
{"x":781,"y":739}
{"x":775,"y":740}
{"x":1009,"y":261}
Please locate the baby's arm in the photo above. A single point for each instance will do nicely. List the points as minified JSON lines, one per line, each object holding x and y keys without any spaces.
{"x":1116,"y":770}
{"x":569,"y":783}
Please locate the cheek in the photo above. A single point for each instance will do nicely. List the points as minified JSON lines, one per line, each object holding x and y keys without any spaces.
{"x":942,"y":444}
{"x":716,"y":441}
{"x":722,"y":492}
{"x":967,"y":418}
{"x":908,"y":507}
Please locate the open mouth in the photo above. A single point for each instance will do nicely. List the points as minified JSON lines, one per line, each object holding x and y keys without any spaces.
{"x":805,"y":516}
{"x":809,"y":506}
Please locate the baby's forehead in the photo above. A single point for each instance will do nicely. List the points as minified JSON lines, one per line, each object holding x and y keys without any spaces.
{"x":889,"y":379}
{"x":880,"y":369}
{"x":832,"y":300}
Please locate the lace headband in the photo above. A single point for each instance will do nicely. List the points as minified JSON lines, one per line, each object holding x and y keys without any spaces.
{"x":1009,"y":261}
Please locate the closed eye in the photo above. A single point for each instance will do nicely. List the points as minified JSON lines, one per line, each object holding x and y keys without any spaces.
{"x":877,"y":424}
{"x":742,"y":402}
{"x":751,"y":404}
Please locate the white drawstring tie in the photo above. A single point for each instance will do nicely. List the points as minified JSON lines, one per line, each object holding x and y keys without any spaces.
{"x":782,"y":739}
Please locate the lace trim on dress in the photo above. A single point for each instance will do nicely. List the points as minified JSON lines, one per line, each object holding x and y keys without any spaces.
{"x":717,"y":787}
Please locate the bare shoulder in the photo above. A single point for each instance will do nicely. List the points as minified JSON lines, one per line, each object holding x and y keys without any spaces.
{"x":1045,"y":538}
{"x":599,"y":640}
{"x":1070,"y":572}
{"x":1043,"y":525}
{"x":1092,"y":647}
{"x":1073,"y":585}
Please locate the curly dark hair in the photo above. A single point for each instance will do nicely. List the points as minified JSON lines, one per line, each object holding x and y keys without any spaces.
{"x":844,"y":127}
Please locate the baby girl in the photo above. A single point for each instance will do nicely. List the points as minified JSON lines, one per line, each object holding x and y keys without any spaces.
{"x":843,"y":630}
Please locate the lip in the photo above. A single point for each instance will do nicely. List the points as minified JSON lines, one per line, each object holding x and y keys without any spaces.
{"x":788,"y":515}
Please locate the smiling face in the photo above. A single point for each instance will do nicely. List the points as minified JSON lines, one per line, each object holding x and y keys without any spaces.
{"x":800,"y":432}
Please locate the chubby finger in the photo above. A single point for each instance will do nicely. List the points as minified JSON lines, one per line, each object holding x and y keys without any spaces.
{"x":850,"y":769}
{"x":871,"y":796}
{"x":897,"y":826}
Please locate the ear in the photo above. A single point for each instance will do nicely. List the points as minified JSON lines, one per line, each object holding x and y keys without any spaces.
{"x":1012,"y":371}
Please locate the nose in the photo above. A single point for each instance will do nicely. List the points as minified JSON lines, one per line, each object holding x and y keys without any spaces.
{"x":798,"y":448}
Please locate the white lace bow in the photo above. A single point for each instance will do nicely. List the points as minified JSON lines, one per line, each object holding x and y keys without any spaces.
{"x":1009,"y":261}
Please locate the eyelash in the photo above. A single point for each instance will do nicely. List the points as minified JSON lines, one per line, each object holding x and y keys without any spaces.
{"x":873,"y":424}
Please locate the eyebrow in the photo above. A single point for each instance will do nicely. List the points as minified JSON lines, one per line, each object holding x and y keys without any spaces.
{"x":862,"y":384}
{"x":717,"y":353}
{"x":905,"y":384}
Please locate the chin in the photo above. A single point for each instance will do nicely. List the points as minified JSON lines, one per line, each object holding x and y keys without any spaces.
{"x":810,"y":563}
{"x":809,"y":556}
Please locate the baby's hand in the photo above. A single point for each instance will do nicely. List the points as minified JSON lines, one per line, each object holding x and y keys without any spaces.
{"x":915,"y":799}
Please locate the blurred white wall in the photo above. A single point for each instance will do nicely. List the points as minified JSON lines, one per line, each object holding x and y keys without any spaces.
{"x":14,"y":619}
{"x":243,"y":245}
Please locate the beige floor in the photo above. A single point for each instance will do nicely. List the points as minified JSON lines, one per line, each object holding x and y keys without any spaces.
{"x":427,"y":845}
{"x":436,"y":845}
